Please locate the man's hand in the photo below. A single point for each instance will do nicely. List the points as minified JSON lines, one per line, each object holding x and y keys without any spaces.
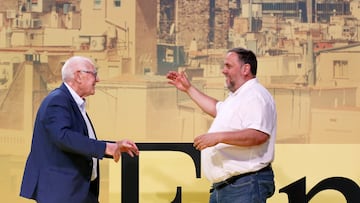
{"x":205,"y":140}
{"x":115,"y":149}
{"x":128,"y":147}
{"x":179,"y":80}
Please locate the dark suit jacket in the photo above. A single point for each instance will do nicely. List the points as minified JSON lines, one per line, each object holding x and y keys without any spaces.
{"x":58,"y":168}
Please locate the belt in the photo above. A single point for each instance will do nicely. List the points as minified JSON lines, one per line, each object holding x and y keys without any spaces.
{"x":232,"y":179}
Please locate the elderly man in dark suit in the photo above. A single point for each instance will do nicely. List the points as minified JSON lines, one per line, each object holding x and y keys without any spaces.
{"x":63,"y":162}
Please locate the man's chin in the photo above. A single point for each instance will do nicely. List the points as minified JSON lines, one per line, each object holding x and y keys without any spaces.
{"x":230,"y":87}
{"x":228,"y":84}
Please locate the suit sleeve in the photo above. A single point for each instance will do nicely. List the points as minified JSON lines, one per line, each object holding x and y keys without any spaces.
{"x":67,"y":129}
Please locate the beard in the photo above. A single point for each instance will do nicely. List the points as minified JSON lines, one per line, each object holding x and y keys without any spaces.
{"x":230,"y":85}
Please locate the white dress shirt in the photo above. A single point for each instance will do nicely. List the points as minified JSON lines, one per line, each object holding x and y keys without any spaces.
{"x":81,"y":104}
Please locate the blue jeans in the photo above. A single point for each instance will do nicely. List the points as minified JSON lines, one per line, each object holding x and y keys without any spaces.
{"x":253,"y":188}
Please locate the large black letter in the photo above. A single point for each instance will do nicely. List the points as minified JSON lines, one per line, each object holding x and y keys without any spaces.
{"x":297,"y":194}
{"x":130,"y":168}
{"x":347,"y":187}
{"x":295,"y":191}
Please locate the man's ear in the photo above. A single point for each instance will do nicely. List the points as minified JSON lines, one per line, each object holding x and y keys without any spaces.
{"x":77,"y":77}
{"x":246,"y":69}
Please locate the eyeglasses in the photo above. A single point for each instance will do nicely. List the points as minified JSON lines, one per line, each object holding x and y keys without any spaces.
{"x":94,"y":73}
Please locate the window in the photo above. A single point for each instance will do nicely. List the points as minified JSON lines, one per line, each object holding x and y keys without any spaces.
{"x":117,"y":3}
{"x":97,"y":4}
{"x":340,"y":69}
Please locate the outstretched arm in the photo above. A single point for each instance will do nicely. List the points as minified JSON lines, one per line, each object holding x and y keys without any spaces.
{"x":181,"y":82}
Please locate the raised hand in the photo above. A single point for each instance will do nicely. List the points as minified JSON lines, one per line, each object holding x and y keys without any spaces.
{"x":179,"y":80}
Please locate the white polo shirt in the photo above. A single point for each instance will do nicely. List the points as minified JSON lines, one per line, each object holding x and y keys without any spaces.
{"x":251,"y":106}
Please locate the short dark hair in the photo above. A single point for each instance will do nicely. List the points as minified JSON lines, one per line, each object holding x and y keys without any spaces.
{"x":247,"y":56}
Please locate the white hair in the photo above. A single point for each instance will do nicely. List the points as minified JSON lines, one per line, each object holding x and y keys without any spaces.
{"x":74,"y":64}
